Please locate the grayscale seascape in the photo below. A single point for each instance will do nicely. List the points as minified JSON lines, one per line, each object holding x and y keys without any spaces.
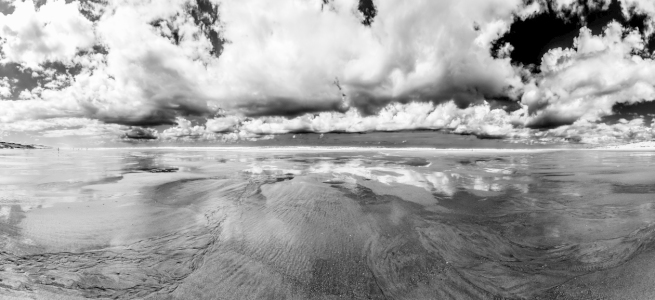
{"x":322,"y":223}
{"x":327,"y":150}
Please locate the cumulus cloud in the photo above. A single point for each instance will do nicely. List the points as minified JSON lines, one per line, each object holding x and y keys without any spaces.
{"x":645,"y":7}
{"x":480,"y":120}
{"x":426,"y":51}
{"x":5,"y":87}
{"x":222,"y":124}
{"x":185,"y":128}
{"x":138,"y":133}
{"x":55,"y":32}
{"x":586,"y":81}
{"x":269,"y":65}
{"x":587,"y":132}
{"x":142,"y":79}
{"x":315,"y":66}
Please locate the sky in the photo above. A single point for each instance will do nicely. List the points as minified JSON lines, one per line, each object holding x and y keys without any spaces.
{"x":104,"y":71}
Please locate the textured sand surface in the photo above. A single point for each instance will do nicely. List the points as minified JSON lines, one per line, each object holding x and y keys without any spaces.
{"x":377,"y":224}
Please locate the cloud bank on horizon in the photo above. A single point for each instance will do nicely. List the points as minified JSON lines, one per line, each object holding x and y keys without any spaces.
{"x":222,"y":69}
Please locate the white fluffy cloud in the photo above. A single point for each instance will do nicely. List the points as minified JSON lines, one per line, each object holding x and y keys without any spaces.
{"x":600,"y":133}
{"x":416,"y":66}
{"x":479,"y":120}
{"x":646,"y":7}
{"x":5,"y":88}
{"x":586,"y":81}
{"x":55,"y":32}
{"x":424,"y":51}
{"x":427,"y":50}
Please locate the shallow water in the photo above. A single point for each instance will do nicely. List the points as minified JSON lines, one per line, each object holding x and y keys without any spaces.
{"x":322,"y":224}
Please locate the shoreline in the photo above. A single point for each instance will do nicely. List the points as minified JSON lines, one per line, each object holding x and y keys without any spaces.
{"x":649,"y":145}
{"x":639,"y":146}
{"x":358,"y":149}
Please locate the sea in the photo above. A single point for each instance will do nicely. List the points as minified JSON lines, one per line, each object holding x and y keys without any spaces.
{"x":327,"y":222}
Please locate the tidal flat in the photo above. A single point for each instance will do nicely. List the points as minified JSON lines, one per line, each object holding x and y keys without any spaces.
{"x":327,"y":224}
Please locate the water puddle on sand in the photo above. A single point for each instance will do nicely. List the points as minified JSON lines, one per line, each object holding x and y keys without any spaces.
{"x":379,"y":224}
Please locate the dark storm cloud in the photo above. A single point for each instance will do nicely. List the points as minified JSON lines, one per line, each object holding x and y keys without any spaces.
{"x":505,"y":103}
{"x":154,"y":119}
{"x":369,"y":104}
{"x":139,"y":133}
{"x":288,"y":107}
{"x":463,"y":89}
{"x":164,"y":113}
{"x":549,"y":121}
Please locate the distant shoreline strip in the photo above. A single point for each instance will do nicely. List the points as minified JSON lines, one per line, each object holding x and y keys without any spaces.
{"x":363,"y":149}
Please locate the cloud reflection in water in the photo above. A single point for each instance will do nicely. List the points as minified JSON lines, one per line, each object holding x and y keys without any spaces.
{"x":376,"y":224}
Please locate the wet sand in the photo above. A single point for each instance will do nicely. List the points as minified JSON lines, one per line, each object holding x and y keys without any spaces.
{"x":328,"y":224}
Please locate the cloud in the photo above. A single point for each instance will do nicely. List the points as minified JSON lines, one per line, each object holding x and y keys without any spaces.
{"x":5,"y":87}
{"x":55,"y":32}
{"x":100,"y":132}
{"x":223,"y":124}
{"x":146,"y":80}
{"x":161,"y":63}
{"x":36,"y":109}
{"x":479,"y":120}
{"x":641,"y":6}
{"x":313,"y":66}
{"x":586,"y":81}
{"x":142,"y":79}
{"x":599,"y":133}
{"x":427,"y":51}
{"x":64,"y":130}
{"x":138,"y":133}
{"x":184,"y":128}
{"x":47,"y":124}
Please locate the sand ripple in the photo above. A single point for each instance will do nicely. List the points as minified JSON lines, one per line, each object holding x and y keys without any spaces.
{"x":353,"y":228}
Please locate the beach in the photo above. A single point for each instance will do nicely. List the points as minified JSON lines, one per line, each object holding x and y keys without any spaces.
{"x":326,"y":223}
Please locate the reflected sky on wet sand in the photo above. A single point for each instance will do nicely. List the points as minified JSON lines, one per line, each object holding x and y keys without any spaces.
{"x":337,"y":224}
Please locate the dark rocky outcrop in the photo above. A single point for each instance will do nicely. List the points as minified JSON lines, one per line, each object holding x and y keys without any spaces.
{"x":7,"y":145}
